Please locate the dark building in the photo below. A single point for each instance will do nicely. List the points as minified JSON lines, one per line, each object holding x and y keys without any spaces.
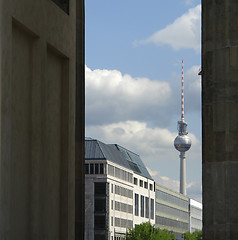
{"x":220,"y":119}
{"x":42,"y":119}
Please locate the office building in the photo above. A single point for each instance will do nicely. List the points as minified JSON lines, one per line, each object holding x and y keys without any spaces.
{"x":171,"y":211}
{"x":119,"y":191}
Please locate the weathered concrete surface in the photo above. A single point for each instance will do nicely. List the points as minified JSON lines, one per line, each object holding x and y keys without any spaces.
{"x":220,"y":118}
{"x":37,"y":121}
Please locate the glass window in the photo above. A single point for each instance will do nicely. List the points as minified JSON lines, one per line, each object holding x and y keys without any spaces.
{"x":151,"y":187}
{"x":130,"y":177}
{"x":152,"y":207}
{"x":101,"y":168}
{"x":145,"y":185}
{"x":100,"y":205}
{"x":135,"y":181}
{"x":111,"y":221}
{"x":96,"y":168}
{"x":171,"y":199}
{"x":86,"y":168}
{"x":171,"y":211}
{"x":136,"y":204}
{"x":100,"y":222}
{"x":100,"y":188}
{"x":142,"y":206}
{"x":112,"y":204}
{"x":147,"y":214}
{"x":171,"y":223}
{"x":117,"y":222}
{"x":91,"y":168}
{"x":100,"y":236}
{"x":141,"y":183}
{"x":110,"y":170}
{"x":112,"y":188}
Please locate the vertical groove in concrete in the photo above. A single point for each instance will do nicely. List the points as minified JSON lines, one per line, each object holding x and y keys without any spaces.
{"x":39,"y":135}
{"x":80,"y":121}
{"x":220,"y":118}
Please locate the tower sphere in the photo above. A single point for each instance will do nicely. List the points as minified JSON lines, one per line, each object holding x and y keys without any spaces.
{"x":182,"y":143}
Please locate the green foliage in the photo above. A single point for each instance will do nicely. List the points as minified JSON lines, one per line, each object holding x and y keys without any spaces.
{"x":146,"y":231}
{"x":197,"y":235}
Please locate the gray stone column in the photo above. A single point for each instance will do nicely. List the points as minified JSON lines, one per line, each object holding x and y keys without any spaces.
{"x":220,"y":118}
{"x":41,"y":119}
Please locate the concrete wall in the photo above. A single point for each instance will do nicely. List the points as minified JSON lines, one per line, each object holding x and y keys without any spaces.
{"x":220,"y":118}
{"x":37,"y":120}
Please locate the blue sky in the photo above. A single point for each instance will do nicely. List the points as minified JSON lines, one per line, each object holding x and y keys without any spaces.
{"x":133,"y":72}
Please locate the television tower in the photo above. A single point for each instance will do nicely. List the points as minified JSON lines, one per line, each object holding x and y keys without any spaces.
{"x":182,"y":142}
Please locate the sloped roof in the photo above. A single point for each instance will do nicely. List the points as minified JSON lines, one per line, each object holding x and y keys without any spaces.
{"x":95,"y":149}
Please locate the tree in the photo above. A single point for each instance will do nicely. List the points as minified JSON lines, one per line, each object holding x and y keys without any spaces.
{"x":197,"y":235}
{"x":146,"y":231}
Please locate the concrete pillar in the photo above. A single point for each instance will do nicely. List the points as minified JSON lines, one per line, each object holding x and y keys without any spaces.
{"x":220,"y":118}
{"x":38,"y":91}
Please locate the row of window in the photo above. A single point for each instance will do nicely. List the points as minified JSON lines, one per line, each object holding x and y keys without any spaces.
{"x":119,"y":238}
{"x":171,"y":223}
{"x":171,"y":211}
{"x":171,"y":199}
{"x":94,"y":168}
{"x":122,"y":191}
{"x":196,"y":223}
{"x":100,"y":234}
{"x":146,"y":206}
{"x":100,"y":222}
{"x":123,"y":207}
{"x":119,"y":173}
{"x":195,"y":212}
{"x":121,"y":222}
{"x":143,"y":184}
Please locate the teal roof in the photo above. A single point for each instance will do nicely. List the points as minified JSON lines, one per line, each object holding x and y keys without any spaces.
{"x":97,"y":150}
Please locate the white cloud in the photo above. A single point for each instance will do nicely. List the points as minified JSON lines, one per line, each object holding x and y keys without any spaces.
{"x":164,"y":181}
{"x":152,"y":144}
{"x":138,"y":90}
{"x":194,"y":191}
{"x":184,"y":32}
{"x":136,"y":113}
{"x":113,"y":97}
{"x":189,"y":2}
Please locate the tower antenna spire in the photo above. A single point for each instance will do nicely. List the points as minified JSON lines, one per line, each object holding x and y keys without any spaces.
{"x":182,"y":95}
{"x":182,"y":142}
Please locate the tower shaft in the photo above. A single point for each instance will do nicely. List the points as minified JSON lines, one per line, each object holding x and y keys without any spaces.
{"x":182,"y":173}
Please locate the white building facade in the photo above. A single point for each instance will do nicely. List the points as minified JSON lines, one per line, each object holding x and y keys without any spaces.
{"x":119,"y":192}
{"x":172,"y":211}
{"x":195,"y":215}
